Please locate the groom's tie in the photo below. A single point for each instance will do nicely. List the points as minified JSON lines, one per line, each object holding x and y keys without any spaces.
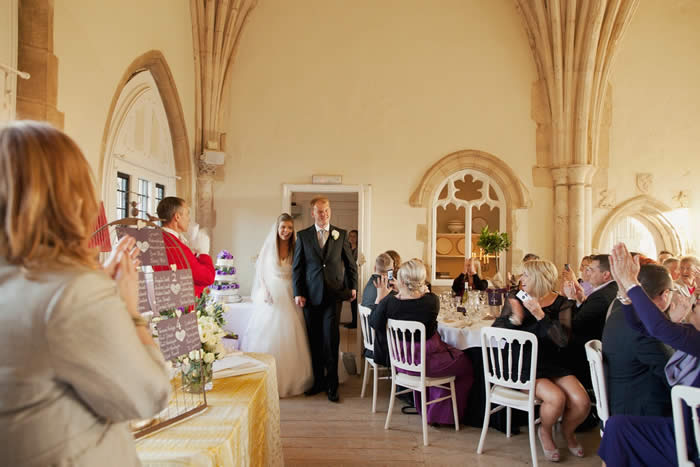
{"x":322,"y":238}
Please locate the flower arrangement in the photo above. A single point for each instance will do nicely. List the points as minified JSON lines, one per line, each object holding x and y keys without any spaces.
{"x":197,"y":366}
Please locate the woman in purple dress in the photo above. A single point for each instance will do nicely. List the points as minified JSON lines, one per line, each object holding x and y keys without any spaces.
{"x":414,"y":303}
{"x":638,"y":441}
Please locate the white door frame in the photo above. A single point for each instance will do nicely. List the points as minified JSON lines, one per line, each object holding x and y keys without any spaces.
{"x":364,"y":226}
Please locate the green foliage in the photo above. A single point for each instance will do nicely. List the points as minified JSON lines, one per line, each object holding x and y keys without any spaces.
{"x":493,"y":242}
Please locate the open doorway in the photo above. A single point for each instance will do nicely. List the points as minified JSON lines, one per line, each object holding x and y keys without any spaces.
{"x":349,"y":211}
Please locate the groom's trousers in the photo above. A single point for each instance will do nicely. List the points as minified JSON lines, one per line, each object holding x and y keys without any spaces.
{"x":322,"y":323}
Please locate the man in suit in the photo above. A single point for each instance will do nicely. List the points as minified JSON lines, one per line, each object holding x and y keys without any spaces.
{"x":323,"y":266}
{"x":634,"y":363}
{"x":589,"y":317}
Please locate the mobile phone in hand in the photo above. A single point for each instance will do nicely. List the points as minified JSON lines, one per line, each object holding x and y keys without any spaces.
{"x":522,"y":295}
{"x":390,"y":274}
{"x":567,"y":267}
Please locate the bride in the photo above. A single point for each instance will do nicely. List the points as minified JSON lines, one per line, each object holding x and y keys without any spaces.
{"x":278,"y":327}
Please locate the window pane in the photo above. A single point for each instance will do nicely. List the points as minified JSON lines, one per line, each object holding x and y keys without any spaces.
{"x":144,"y":196}
{"x":160,"y":193}
{"x":122,"y":195}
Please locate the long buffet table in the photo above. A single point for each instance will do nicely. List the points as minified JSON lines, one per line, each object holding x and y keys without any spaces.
{"x":240,"y":427}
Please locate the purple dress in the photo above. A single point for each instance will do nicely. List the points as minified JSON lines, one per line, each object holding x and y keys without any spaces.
{"x":638,"y":441}
{"x":441,"y":359}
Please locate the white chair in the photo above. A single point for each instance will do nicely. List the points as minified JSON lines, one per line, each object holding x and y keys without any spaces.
{"x":691,"y":396}
{"x":370,"y":364}
{"x":594,"y":354}
{"x":503,"y":390}
{"x":401,"y":339}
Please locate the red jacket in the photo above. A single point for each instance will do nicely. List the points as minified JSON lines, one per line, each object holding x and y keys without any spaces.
{"x":202,"y":266}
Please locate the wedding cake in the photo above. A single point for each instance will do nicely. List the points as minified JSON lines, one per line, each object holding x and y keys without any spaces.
{"x":225,"y":287}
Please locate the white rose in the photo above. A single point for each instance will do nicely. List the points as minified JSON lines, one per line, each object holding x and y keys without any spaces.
{"x":208,"y":357}
{"x":194,"y":355}
{"x":335,"y":234}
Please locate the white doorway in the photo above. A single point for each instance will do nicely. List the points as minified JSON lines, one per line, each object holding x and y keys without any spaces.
{"x":350,"y":210}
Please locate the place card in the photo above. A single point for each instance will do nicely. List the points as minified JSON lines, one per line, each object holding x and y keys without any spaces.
{"x":144,"y":305}
{"x":178,"y":336}
{"x":149,"y":242}
{"x":173,"y":289}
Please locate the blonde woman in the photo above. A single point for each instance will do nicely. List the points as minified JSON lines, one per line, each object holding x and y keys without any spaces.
{"x":413,"y":304}
{"x":278,"y":327}
{"x":76,"y":359}
{"x":548,"y":315}
{"x":686,"y":285}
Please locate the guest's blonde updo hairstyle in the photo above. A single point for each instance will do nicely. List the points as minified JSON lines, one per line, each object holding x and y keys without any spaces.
{"x":48,"y":207}
{"x":412,"y":275}
{"x":541,"y":277}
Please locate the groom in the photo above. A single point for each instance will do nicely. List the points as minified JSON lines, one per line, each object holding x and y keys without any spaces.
{"x":322,"y":260}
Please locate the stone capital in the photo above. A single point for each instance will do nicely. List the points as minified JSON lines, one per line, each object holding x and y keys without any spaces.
{"x":206,"y":170}
{"x":559,"y":175}
{"x":580,"y":174}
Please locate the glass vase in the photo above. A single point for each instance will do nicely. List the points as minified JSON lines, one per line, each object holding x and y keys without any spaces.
{"x":197,"y":374}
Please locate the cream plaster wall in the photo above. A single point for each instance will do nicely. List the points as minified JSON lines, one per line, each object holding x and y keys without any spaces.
{"x":376,"y":92}
{"x":96,"y":41}
{"x":656,"y":109}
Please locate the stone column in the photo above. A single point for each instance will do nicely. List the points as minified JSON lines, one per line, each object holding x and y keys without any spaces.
{"x":206,"y":216}
{"x":37,"y":96}
{"x":561,"y":216}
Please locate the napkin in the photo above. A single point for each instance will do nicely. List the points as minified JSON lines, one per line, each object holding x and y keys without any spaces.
{"x":237,"y":364}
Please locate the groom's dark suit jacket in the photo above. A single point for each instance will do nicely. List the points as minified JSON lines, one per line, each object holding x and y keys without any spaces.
{"x":319,"y":274}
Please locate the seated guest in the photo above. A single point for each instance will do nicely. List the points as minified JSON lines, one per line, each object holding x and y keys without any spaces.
{"x":513,"y":279}
{"x":589,"y":315}
{"x":413,"y":304}
{"x":369,"y":295}
{"x":686,"y":285}
{"x":396,"y":258}
{"x":674,"y":267}
{"x":175,"y":216}
{"x":547,"y":315}
{"x":77,"y":360}
{"x":469,"y":276}
{"x":638,"y":441}
{"x":634,"y":362}
{"x":585,"y":279}
{"x":664,"y":255}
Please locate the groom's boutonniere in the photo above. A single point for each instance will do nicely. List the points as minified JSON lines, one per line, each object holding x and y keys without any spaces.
{"x":335,"y":234}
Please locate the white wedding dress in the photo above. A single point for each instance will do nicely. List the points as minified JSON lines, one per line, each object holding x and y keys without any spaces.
{"x":277,"y":326}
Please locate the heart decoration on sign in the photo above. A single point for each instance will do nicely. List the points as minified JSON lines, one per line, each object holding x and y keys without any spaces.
{"x":175,"y":288}
{"x":140,"y":224}
{"x":143,"y":246}
{"x":178,"y":313}
{"x":180,"y":335}
{"x":173,"y":267}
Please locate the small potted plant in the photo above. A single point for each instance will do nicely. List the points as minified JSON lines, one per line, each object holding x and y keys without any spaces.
{"x":494,"y":243}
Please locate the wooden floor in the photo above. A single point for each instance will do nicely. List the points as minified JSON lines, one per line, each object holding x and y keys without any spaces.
{"x":317,"y":432}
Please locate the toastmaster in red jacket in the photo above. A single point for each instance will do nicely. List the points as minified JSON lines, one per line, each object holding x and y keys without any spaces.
{"x":175,"y":216}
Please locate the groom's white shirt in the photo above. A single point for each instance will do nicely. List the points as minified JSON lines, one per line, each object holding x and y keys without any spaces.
{"x":318,"y":229}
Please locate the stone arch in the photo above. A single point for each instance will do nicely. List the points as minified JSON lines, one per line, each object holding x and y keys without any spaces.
{"x":516,"y":194}
{"x":652,"y":213}
{"x":155,"y":63}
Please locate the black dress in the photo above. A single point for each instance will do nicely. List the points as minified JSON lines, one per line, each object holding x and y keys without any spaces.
{"x":552,"y":331}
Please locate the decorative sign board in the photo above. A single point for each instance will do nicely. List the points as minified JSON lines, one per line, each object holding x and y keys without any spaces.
{"x":172,"y":289}
{"x":326,"y":179}
{"x":178,"y":336}
{"x":144,"y":305}
{"x":149,"y":242}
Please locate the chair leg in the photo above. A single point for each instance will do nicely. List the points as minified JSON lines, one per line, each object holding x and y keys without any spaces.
{"x":374,"y":390}
{"x":364,"y":380}
{"x":424,"y":414}
{"x":391,"y":403}
{"x":531,"y":430}
{"x":487,"y":418}
{"x":454,"y":405}
{"x":509,"y":415}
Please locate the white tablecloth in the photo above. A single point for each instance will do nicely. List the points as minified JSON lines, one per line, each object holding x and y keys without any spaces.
{"x":463,"y":338}
{"x":237,"y":316}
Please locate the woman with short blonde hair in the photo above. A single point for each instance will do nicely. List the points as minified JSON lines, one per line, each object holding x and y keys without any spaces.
{"x":77,"y":359}
{"x":548,"y":315}
{"x":687,"y":284}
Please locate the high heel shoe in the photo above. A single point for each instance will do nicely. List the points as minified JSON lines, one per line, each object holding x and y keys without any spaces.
{"x":551,"y":455}
{"x":577,"y":450}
